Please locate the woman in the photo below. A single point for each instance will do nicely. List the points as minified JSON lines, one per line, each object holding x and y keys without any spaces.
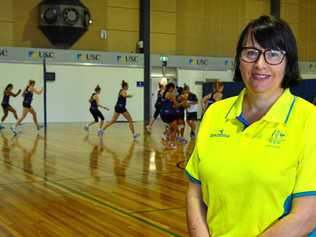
{"x":213,"y":97}
{"x":120,"y":108}
{"x":253,"y":169}
{"x":94,"y":108}
{"x":191,"y":111}
{"x":181,"y":106}
{"x":157,"y":107}
{"x":6,"y":103}
{"x":27,"y":105}
{"x":170,"y":115}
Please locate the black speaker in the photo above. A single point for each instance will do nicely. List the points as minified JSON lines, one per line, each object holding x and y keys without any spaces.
{"x":63,"y":21}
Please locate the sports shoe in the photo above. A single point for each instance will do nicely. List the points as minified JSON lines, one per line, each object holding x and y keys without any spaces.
{"x":183,"y":140}
{"x":40,"y":127}
{"x":136,"y":135}
{"x":148,"y":128}
{"x":100,"y":132}
{"x":14,"y":131}
{"x":86,"y":128}
{"x":2,"y":127}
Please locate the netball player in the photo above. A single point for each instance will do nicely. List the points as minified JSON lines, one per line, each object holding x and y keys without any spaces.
{"x":158,"y":106}
{"x":27,"y":105}
{"x":94,"y":109}
{"x":120,"y":109}
{"x":6,"y":103}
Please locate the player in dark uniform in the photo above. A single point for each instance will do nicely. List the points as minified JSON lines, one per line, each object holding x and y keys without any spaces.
{"x":213,"y":97}
{"x":180,"y":108}
{"x":158,"y":106}
{"x":94,"y":109}
{"x":191,"y":112}
{"x":120,"y":108}
{"x":168,"y":115}
{"x":6,"y":103}
{"x":27,"y":105}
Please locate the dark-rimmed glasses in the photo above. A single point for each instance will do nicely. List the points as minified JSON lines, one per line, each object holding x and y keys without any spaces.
{"x":271,"y":56}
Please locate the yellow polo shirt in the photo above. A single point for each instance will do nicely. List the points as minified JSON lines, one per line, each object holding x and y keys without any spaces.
{"x":250,"y":174}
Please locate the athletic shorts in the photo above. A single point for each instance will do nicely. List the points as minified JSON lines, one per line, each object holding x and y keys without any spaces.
{"x":168,"y":116}
{"x":119,"y":109}
{"x":192,"y":116}
{"x":180,"y":114}
{"x":27,"y":105}
{"x":96,"y":114}
{"x":5,"y":106}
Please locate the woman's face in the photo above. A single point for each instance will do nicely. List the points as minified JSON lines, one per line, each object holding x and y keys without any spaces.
{"x":260,"y":77}
{"x":221,"y":88}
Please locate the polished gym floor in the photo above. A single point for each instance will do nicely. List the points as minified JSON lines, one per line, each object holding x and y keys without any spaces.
{"x":71,"y":184}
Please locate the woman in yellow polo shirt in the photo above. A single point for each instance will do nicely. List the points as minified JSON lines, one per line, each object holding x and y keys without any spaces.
{"x":253,"y":169}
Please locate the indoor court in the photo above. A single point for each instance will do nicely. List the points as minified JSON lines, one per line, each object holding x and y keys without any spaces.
{"x":72,"y":184}
{"x":157,"y":118}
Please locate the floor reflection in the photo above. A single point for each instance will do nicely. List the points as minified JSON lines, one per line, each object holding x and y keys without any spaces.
{"x":6,"y":151}
{"x":28,"y":153}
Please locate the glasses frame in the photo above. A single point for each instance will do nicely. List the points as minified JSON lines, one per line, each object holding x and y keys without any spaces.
{"x":264,"y":55}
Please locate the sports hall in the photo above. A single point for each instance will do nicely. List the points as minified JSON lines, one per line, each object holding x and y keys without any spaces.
{"x":64,"y":179}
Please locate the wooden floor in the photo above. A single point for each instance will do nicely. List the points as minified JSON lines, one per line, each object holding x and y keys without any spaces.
{"x":71,"y":184}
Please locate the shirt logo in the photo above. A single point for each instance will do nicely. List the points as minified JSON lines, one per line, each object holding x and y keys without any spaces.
{"x":277,"y":137}
{"x":220,"y":133}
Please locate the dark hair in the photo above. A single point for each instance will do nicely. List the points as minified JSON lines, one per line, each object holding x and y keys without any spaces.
{"x":168,"y":86}
{"x":273,"y":33}
{"x":123,"y":84}
{"x":186,"y":87}
{"x":7,"y":87}
{"x":98,"y":88}
{"x":180,"y":90}
{"x":31,"y":82}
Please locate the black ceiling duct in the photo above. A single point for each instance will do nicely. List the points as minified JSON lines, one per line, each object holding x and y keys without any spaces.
{"x":63,"y":21}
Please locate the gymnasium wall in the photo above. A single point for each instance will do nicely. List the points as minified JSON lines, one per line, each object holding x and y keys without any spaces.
{"x":68,"y":95}
{"x":180,"y":27}
{"x":120,"y":18}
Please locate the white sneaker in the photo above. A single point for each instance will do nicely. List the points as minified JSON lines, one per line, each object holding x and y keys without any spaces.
{"x":100,"y":132}
{"x":86,"y":128}
{"x":136,"y":135}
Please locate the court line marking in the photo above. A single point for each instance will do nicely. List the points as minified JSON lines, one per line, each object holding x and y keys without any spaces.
{"x":113,"y":208}
{"x":94,"y":199}
{"x":158,"y":210}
